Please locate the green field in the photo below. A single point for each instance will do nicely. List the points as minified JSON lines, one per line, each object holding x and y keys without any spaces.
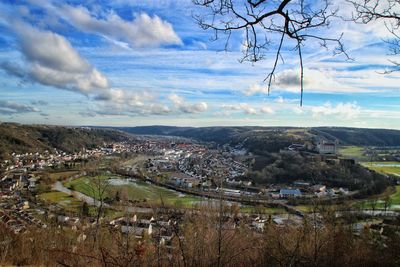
{"x":137,"y":191}
{"x":137,"y":160}
{"x":387,"y":167}
{"x":262,"y":210}
{"x":396,"y":197}
{"x":62,"y":175}
{"x":354,"y":152}
{"x":70,"y":204}
{"x":379,"y":201}
{"x":65,"y":201}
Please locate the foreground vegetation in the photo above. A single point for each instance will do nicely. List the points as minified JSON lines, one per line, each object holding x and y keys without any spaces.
{"x":202,"y":240}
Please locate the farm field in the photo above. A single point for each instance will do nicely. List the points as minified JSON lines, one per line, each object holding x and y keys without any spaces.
{"x":354,"y":152}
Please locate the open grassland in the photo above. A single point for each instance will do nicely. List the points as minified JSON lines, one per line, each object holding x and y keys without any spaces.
{"x":387,"y":167}
{"x":262,"y":210}
{"x":391,"y":196}
{"x":395,"y":198}
{"x":65,"y":201}
{"x":72,"y":205}
{"x":136,"y":160}
{"x":354,"y":152}
{"x":137,"y":191}
{"x":54,"y":176}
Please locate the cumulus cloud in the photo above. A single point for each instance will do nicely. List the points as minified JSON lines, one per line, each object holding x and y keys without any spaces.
{"x":315,"y":80}
{"x":10,"y":108}
{"x":240,"y":107}
{"x":298,"y":110}
{"x":181,"y":104}
{"x":142,"y":31}
{"x":50,"y":50}
{"x":291,"y":78}
{"x":51,"y":60}
{"x":279,"y":100}
{"x":112,"y":109}
{"x":13,"y":69}
{"x":267,"y":110}
{"x":342,"y":110}
{"x":39,"y":102}
{"x":120,"y":102}
{"x":256,"y":89}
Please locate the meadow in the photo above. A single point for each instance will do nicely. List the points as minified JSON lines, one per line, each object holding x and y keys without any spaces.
{"x":133,"y":190}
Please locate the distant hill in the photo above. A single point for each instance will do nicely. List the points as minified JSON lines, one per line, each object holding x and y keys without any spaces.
{"x":257,"y":139}
{"x":360,"y":136}
{"x":274,"y":138}
{"x":31,"y":138}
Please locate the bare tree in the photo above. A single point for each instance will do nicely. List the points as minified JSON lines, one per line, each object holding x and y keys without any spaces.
{"x":98,"y":188}
{"x":387,"y":202}
{"x":386,"y":11}
{"x":262,"y":22}
{"x":374,"y":204}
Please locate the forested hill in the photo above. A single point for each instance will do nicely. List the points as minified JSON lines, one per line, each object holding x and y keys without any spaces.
{"x":279,"y":135}
{"x":31,"y":138}
{"x":360,"y":136}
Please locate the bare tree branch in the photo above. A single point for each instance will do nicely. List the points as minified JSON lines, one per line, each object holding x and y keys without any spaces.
{"x":387,"y":11}
{"x":297,"y":20}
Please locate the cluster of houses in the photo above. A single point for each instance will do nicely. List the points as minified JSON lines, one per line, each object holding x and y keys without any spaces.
{"x":161,"y":229}
{"x":190,"y":165}
{"x":17,"y":215}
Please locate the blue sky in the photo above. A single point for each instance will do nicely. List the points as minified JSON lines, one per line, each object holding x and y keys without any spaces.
{"x":131,"y":62}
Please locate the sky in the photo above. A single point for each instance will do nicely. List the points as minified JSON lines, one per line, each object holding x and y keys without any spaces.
{"x":147,"y":62}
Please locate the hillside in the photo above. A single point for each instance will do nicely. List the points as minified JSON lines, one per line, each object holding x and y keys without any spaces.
{"x":360,"y":136}
{"x":31,"y":138}
{"x":273,"y":138}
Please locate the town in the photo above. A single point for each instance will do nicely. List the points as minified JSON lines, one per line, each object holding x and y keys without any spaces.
{"x":187,"y":167}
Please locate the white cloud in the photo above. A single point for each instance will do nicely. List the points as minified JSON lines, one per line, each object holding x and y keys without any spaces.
{"x":342,"y":110}
{"x":267,"y":110}
{"x":51,"y":60}
{"x":240,"y":107}
{"x":10,"y":108}
{"x":180,"y":103}
{"x":256,"y":89}
{"x":119,"y":102}
{"x":142,"y":31}
{"x":315,"y":80}
{"x":49,"y":49}
{"x":298,"y":110}
{"x":279,"y":100}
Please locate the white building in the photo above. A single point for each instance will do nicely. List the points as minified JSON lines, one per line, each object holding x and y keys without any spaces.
{"x":326,"y":147}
